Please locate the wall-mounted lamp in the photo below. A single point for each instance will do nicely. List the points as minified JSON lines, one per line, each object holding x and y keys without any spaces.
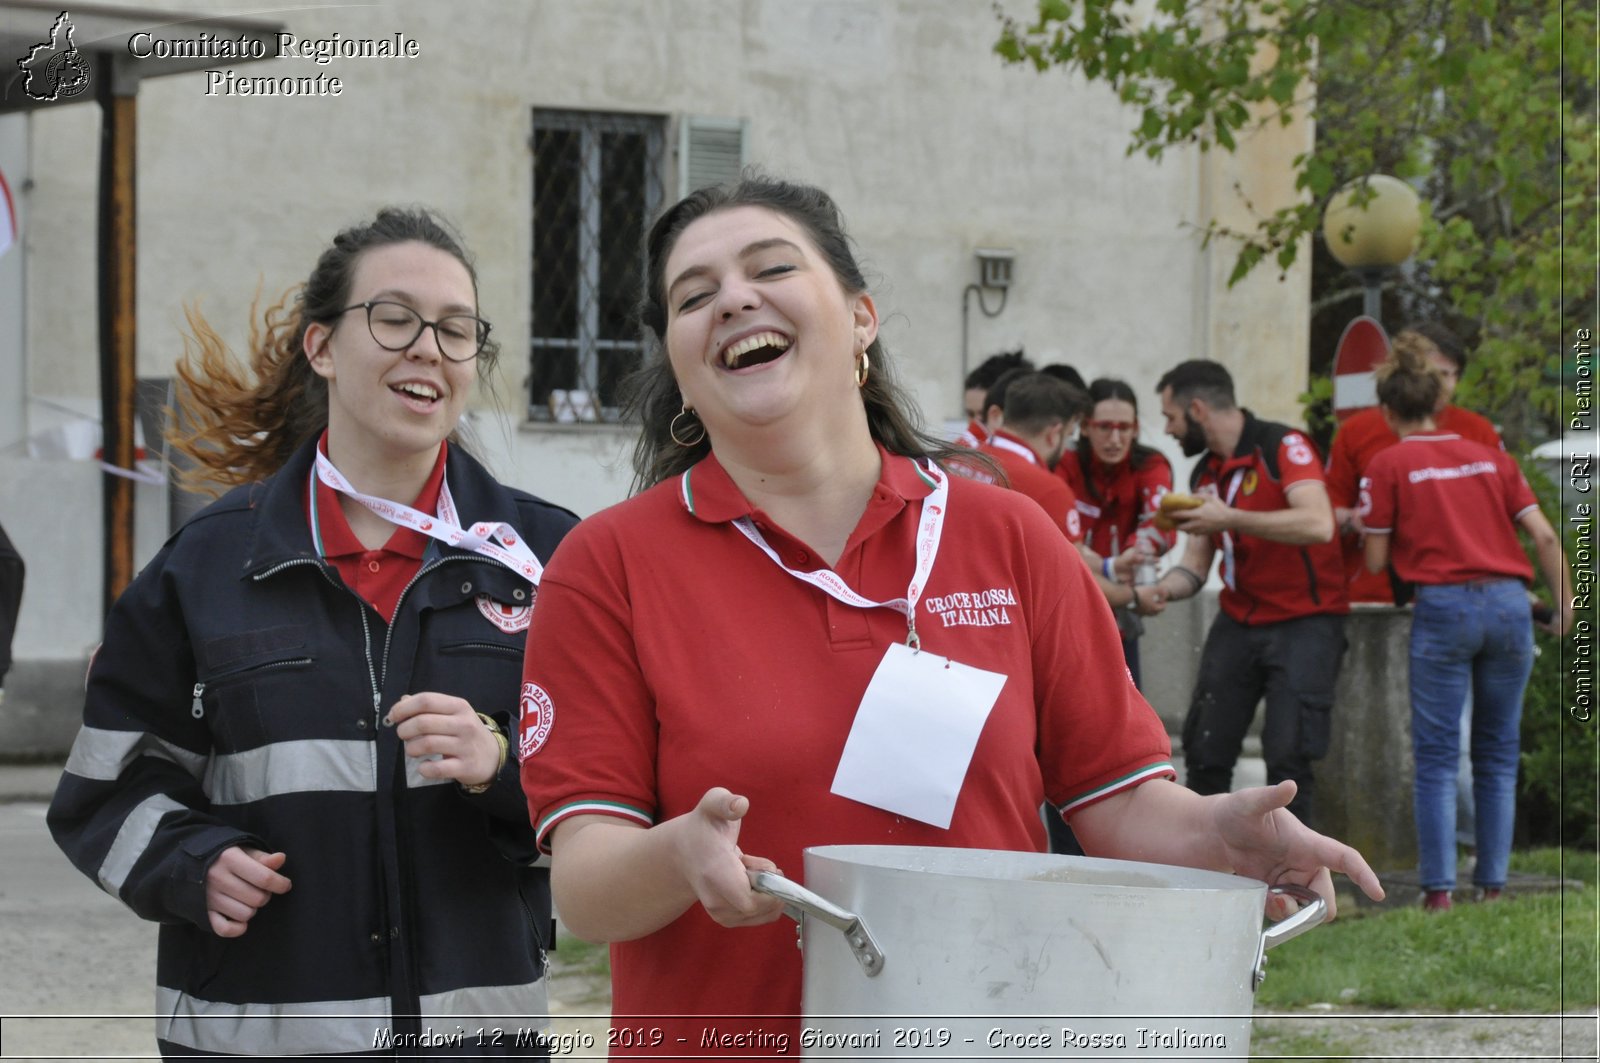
{"x":994,"y":271}
{"x":994,"y":267}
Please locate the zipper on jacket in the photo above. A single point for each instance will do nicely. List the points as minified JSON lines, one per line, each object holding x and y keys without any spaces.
{"x":198,"y":710}
{"x":493,"y":647}
{"x":366,"y":634}
{"x":383,"y":672}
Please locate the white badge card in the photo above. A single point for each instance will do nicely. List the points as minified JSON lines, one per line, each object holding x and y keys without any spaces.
{"x":914,"y":734}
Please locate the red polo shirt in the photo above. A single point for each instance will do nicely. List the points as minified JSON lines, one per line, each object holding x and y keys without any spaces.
{"x":1360,"y":439}
{"x":378,"y":576}
{"x":1265,"y":581}
{"x":1025,"y":473}
{"x":1117,"y":497}
{"x":669,"y":655}
{"x":1451,"y":506}
{"x":975,"y":435}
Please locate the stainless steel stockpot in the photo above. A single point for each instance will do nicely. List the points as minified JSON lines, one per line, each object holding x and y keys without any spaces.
{"x":973,"y":953}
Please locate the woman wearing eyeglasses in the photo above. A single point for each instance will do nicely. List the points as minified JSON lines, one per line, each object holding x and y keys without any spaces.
{"x":295,"y":745}
{"x":1119,"y":483}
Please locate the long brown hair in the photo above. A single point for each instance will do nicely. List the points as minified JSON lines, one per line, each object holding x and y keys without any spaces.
{"x":653,"y":391}
{"x":241,"y":422}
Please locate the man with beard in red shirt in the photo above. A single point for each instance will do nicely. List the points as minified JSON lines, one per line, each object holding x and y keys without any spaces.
{"x":1280,"y":632}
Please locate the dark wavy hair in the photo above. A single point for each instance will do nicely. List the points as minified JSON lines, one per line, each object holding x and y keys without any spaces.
{"x":1102,"y":389}
{"x":247,"y":419}
{"x":652,"y":392}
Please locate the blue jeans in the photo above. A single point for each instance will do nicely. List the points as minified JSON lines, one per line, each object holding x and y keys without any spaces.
{"x":1477,"y":637}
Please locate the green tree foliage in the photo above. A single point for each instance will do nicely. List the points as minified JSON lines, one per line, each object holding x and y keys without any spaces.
{"x":1486,"y":106}
{"x":1558,"y":793}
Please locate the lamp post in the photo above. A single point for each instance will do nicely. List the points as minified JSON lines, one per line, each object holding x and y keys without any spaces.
{"x":1371,"y":227}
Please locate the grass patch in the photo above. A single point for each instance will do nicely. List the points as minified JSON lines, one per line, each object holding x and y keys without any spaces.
{"x":576,"y":956}
{"x":1511,"y":956}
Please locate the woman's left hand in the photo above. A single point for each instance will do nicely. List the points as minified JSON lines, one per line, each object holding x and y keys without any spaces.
{"x":1263,"y":840}
{"x":437,"y":724}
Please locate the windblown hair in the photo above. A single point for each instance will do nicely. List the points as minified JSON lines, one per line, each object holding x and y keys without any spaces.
{"x":1102,"y":389}
{"x":245,"y":420}
{"x":1407,"y":384}
{"x":653,"y":393}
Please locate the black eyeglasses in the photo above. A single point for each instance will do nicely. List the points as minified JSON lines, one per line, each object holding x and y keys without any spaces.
{"x":395,"y":327}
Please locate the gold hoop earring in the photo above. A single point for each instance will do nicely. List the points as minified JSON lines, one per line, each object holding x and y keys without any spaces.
{"x":672,"y":429}
{"x":863,"y":367}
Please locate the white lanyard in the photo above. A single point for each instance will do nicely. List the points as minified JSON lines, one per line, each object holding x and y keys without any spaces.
{"x":510,"y":550}
{"x":1229,"y":571}
{"x":929,"y":528}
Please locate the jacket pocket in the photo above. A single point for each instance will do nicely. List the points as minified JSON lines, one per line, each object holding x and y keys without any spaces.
{"x":229,"y":704}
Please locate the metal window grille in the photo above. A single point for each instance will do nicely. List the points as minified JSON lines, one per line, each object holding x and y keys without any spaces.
{"x":597,"y":183}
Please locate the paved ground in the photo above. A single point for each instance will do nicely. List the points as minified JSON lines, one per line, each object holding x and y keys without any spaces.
{"x":82,"y":966}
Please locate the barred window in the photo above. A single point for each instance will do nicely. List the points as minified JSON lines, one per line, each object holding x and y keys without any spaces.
{"x":597,"y":183}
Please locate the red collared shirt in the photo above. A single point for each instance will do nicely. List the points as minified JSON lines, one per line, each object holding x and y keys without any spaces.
{"x":1122,"y":498}
{"x":1451,"y":506}
{"x":1266,"y":581}
{"x":1362,"y":437}
{"x":671,"y":655}
{"x":1025,"y":473}
{"x":378,"y":576}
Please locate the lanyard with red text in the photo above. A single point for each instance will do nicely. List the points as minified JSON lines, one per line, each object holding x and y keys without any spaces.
{"x":481,"y":538}
{"x":929,"y":528}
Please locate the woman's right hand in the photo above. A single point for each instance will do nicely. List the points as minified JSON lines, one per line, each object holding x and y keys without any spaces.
{"x":238,"y":884}
{"x":710,"y":861}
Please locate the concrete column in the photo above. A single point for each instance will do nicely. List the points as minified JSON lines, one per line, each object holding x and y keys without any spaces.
{"x":1364,"y":783}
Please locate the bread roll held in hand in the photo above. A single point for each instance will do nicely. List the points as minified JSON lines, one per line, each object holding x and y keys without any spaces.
{"x":1172,"y":502}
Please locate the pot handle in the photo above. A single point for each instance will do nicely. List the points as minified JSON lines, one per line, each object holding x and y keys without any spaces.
{"x":799,"y":901}
{"x":1314,"y":912}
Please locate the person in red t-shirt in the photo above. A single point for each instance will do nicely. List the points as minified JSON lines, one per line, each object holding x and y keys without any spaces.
{"x":1118,"y":483}
{"x":1280,"y":631}
{"x":975,"y":390}
{"x":703,"y":652}
{"x":1445,"y":510}
{"x":1364,"y":434}
{"x":1360,"y":439}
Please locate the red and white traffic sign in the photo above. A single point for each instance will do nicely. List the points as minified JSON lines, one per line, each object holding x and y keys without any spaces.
{"x":1362,"y":347}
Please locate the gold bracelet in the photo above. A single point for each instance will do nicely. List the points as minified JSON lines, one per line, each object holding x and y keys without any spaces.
{"x":505,"y":749}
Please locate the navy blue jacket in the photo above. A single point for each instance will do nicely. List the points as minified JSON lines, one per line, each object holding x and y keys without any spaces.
{"x":237,"y":700}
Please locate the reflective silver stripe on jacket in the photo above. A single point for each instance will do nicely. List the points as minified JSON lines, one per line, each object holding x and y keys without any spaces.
{"x":103,"y":755}
{"x":509,"y":1007}
{"x":269,"y":1029}
{"x":308,"y":766}
{"x":133,"y":838}
{"x":339,"y":1025}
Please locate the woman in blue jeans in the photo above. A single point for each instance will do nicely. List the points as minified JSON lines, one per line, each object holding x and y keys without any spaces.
{"x":1447,"y":510}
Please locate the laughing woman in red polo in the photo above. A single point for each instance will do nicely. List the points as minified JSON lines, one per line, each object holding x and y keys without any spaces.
{"x":1446,"y":510}
{"x":704,"y":653}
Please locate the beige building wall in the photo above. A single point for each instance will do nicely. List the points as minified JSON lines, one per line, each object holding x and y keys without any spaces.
{"x":898,"y":107}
